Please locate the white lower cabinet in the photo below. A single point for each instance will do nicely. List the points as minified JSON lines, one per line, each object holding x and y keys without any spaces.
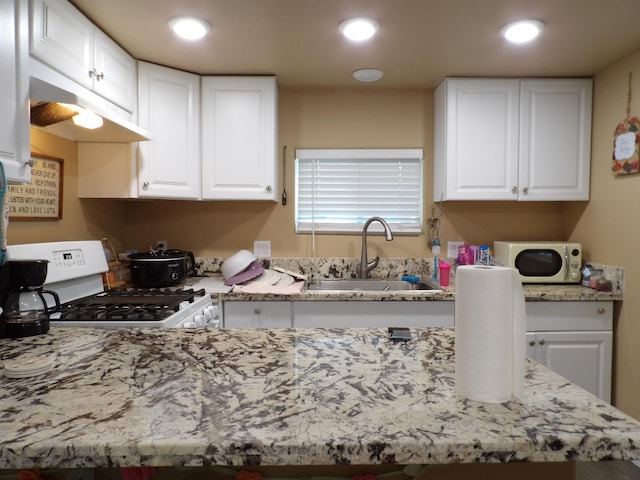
{"x":346,"y":314}
{"x":574,"y":339}
{"x":257,"y":314}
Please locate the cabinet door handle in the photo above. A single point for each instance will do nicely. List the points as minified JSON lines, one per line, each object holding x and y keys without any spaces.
{"x":269,"y":188}
{"x":145,"y":185}
{"x":525,"y":190}
{"x":542,"y":342}
{"x":100,"y":76}
{"x":30,"y":162}
{"x":514,"y":189}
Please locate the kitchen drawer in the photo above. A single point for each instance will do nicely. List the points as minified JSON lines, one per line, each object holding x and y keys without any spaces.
{"x":257,"y":314}
{"x":569,"y":316}
{"x":345,"y":314}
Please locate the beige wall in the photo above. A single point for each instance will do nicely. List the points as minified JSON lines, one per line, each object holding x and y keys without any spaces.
{"x":86,"y":220}
{"x":609,"y":226}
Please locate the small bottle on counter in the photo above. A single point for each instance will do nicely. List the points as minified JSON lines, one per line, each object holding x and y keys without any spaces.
{"x":596,"y":275}
{"x":586,"y":275}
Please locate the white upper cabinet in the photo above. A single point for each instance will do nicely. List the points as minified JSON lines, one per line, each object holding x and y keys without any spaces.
{"x":169,"y":107}
{"x":239,"y":138}
{"x":555,"y":139}
{"x":512,"y":139}
{"x":63,"y":38}
{"x":14,"y":95}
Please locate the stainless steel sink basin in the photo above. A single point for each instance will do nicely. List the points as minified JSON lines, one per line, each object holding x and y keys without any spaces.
{"x":368,"y":285}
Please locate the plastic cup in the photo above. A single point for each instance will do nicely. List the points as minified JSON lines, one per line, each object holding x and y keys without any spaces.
{"x":445,"y":273}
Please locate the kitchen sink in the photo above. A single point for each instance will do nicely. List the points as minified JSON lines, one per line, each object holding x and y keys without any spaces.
{"x":367,"y":285}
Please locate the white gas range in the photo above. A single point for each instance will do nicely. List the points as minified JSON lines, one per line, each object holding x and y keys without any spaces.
{"x":75,"y":273}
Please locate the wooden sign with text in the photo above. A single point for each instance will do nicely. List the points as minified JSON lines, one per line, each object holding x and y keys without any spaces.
{"x":42,"y":198}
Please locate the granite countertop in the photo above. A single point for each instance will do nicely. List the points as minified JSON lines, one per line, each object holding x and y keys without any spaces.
{"x":283,"y":397}
{"x":550,"y":293}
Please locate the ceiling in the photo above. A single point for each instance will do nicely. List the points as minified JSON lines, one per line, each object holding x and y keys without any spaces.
{"x":419,"y":41}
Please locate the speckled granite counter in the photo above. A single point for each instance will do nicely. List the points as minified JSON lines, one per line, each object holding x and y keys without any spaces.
{"x":549,"y":293}
{"x":283,"y":397}
{"x":392,"y":268}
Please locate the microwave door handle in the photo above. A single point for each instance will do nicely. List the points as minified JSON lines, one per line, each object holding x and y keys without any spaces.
{"x":566,"y":263}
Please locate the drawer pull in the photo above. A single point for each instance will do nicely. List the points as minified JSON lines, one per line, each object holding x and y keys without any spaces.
{"x":532,"y":343}
{"x":257,"y":311}
{"x":601,"y":310}
{"x":542,"y":342}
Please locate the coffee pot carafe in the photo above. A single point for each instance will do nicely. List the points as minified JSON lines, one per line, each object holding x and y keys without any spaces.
{"x":25,"y":309}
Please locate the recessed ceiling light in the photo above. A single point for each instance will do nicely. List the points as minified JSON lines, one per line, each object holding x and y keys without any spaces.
{"x":522,"y":31}
{"x":368,"y":74}
{"x":189,"y":28}
{"x":359,"y":29}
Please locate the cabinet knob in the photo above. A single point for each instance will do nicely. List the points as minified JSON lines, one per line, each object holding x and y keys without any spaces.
{"x":532,"y":343}
{"x":257,"y":311}
{"x":145,"y":185}
{"x":542,"y":342}
{"x":269,"y":188}
{"x":30,"y":162}
{"x":99,"y":76}
{"x":514,"y":189}
{"x":525,"y":190}
{"x":93,"y":72}
{"x":601,"y":310}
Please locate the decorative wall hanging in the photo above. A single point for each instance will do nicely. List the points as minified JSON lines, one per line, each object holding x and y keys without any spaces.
{"x":626,"y":144}
{"x":42,"y":198}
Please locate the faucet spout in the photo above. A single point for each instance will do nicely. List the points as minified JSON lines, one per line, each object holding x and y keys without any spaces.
{"x":365,"y":265}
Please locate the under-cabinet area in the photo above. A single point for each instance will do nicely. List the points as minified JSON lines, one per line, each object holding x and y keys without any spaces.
{"x":574,"y":338}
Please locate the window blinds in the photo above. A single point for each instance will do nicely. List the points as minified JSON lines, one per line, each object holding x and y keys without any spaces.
{"x":338,"y":190}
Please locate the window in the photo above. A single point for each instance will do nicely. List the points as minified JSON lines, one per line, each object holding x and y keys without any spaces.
{"x":338,"y":190}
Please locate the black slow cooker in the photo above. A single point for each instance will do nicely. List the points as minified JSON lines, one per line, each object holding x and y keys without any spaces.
{"x":161,"y":268}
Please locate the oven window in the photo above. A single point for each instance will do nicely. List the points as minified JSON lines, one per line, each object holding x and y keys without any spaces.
{"x":538,"y":263}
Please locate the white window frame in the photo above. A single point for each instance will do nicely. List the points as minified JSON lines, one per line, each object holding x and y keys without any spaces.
{"x":324,"y":224}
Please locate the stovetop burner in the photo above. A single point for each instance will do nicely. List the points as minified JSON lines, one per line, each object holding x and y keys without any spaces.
{"x":126,"y":304}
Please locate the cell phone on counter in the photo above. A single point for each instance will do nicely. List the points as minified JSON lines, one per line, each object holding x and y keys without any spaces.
{"x":399,"y":334}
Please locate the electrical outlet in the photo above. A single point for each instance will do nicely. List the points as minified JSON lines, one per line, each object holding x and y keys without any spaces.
{"x":262,"y":248}
{"x":452,"y":249}
{"x":161,"y":245}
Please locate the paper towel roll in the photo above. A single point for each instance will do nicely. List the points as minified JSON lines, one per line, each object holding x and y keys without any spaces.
{"x":490,"y":333}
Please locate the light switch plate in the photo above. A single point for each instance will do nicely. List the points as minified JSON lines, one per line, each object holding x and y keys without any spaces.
{"x":452,"y":249}
{"x":262,"y":248}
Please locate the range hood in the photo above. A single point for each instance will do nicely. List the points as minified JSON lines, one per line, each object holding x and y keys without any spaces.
{"x":47,"y":88}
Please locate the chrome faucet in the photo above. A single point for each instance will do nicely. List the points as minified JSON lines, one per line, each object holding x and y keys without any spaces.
{"x":366,"y":266}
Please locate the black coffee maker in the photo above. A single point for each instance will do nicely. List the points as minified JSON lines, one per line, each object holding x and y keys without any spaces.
{"x":25,"y":310}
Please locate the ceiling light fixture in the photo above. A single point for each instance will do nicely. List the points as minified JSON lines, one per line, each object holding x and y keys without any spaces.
{"x":522,"y":31}
{"x":368,"y":74}
{"x":359,"y":29}
{"x":189,"y":28}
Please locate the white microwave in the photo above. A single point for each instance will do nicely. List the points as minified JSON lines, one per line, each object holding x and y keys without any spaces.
{"x":541,"y":262}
